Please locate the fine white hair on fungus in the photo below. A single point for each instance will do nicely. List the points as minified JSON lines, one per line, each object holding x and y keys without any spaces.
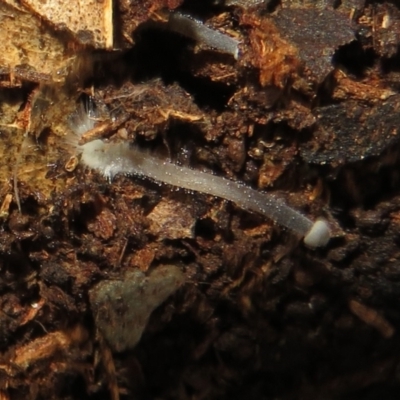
{"x":110,"y":159}
{"x":85,"y":117}
{"x":81,"y":121}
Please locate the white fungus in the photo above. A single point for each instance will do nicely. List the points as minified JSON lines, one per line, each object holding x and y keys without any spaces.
{"x":196,"y":30}
{"x":318,"y":235}
{"x":110,"y":159}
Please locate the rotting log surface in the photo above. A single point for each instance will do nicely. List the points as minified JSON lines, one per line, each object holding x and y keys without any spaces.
{"x":259,"y":316}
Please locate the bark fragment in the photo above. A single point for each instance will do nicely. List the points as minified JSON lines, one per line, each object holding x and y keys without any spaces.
{"x":340,"y":139}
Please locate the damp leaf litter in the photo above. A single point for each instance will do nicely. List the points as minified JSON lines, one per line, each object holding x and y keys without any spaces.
{"x":122,"y":308}
{"x":182,"y":212}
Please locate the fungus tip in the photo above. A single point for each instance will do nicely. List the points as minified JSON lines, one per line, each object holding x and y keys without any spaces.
{"x":318,"y":235}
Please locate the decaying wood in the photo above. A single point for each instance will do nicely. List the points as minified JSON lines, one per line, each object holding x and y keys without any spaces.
{"x":132,"y":290}
{"x":90,"y":22}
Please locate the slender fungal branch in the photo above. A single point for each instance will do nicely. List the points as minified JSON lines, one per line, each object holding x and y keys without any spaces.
{"x":196,"y":30}
{"x":110,"y":159}
{"x":120,"y":158}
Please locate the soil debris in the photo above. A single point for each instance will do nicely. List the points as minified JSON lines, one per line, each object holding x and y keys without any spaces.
{"x":128,"y":289}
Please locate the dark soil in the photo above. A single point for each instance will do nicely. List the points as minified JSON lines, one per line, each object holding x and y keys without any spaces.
{"x":231,"y":305}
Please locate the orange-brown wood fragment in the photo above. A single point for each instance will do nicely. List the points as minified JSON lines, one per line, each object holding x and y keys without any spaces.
{"x":109,"y":368}
{"x":5,"y":206}
{"x":168,"y":113}
{"x":295,"y":44}
{"x":71,"y":164}
{"x":46,"y":346}
{"x":4,"y":395}
{"x":276,"y":58}
{"x":28,"y":49}
{"x":90,"y":21}
{"x":172,"y":220}
{"x":143,"y":258}
{"x":370,"y":91}
{"x":104,"y":224}
{"x":135,"y":12}
{"x":32,"y":312}
{"x":372,"y":317}
{"x":101,"y":130}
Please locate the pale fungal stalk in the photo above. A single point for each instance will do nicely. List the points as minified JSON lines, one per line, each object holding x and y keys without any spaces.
{"x":110,"y":159}
{"x":196,"y":30}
